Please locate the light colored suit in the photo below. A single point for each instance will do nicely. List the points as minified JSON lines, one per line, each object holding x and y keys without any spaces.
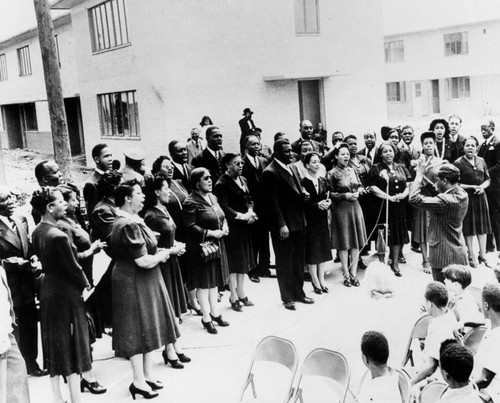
{"x":447,"y":211}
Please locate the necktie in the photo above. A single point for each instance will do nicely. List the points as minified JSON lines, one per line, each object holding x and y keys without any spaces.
{"x":368,"y":155}
{"x":12,"y":224}
{"x":184,"y":168}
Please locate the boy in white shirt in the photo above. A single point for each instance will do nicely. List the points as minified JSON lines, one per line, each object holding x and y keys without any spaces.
{"x":456,"y":362}
{"x":488,"y":354}
{"x":383,"y":385}
{"x":441,"y":327}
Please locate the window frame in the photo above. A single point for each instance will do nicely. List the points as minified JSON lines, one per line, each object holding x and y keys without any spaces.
{"x":462,"y":89}
{"x":24,"y":61}
{"x":391,"y":53}
{"x":101,"y":37}
{"x":109,"y":126}
{"x":4,"y":76}
{"x":304,"y":15}
{"x":454,"y":40}
{"x":399,"y":93}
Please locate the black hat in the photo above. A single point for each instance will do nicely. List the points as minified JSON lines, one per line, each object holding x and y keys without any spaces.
{"x":247,"y":110}
{"x":386,"y":130}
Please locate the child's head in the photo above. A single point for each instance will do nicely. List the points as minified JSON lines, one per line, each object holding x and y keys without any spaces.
{"x":375,"y":349}
{"x":456,"y":278}
{"x":436,"y":297}
{"x":456,"y":362}
{"x":491,"y":300}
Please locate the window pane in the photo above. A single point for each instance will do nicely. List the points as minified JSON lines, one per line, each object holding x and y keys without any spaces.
{"x":300,"y":19}
{"x":118,"y":114}
{"x":3,"y":67}
{"x":108,"y":22}
{"x":311,"y":16}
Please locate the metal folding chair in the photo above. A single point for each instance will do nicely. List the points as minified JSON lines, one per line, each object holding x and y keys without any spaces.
{"x":419,"y":332}
{"x":432,"y":392}
{"x":473,"y":338}
{"x":328,"y":364}
{"x":277,"y":350}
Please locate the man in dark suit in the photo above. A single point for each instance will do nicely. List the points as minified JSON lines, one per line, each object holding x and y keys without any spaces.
{"x":328,"y":159}
{"x":370,"y":150}
{"x":285,"y":201}
{"x":247,"y":126}
{"x":211,"y":156}
{"x":15,"y":254}
{"x":447,"y":211}
{"x":306,"y":133}
{"x":253,"y":167}
{"x":182,"y":170}
{"x":455,"y":123}
{"x":103,"y":159}
{"x":490,"y":152}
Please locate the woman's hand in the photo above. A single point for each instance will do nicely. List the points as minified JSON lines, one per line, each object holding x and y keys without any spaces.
{"x":384,"y":174}
{"x":181,"y":248}
{"x":351,"y":196}
{"x":163,"y":255}
{"x":478,"y":190}
{"x":97,"y":246}
{"x":324,"y":204}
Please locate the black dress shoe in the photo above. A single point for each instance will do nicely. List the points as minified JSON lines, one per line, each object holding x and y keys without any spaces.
{"x":268,"y":275}
{"x":245,"y":301}
{"x":361,"y":265}
{"x":306,"y":300}
{"x":93,"y":387}
{"x":209,"y":326}
{"x":39,"y":372}
{"x":254,"y":279}
{"x":155,"y":385}
{"x":183,"y":357}
{"x":317,"y":290}
{"x":236,"y":306}
{"x":146,"y":394}
{"x":290,"y":306}
{"x":219,"y":320}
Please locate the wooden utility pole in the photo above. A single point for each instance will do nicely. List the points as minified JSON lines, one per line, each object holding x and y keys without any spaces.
{"x":3,"y":178}
{"x":58,"y":123}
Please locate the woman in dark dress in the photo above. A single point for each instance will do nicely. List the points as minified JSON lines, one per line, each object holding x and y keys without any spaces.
{"x":141,"y":306}
{"x":204,"y":221}
{"x":86,"y":251}
{"x":65,"y":334}
{"x":234,"y":197}
{"x":103,"y":217}
{"x":397,"y":176}
{"x":429,"y":164}
{"x":474,"y":178}
{"x":178,"y":193}
{"x":348,"y":225}
{"x":318,"y":247}
{"x":158,"y":219}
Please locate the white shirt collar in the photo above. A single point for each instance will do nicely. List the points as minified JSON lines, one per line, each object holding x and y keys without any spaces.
{"x":214,"y":153}
{"x":180,"y":167}
{"x":283,"y":165}
{"x":6,"y":221}
{"x":99,"y":171}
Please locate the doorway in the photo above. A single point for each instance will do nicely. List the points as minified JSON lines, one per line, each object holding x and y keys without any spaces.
{"x":75,"y":127}
{"x":311,"y":100}
{"x":15,"y":133}
{"x":435,"y":96}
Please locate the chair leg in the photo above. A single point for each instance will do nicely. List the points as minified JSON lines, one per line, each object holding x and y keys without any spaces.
{"x":253,"y":386}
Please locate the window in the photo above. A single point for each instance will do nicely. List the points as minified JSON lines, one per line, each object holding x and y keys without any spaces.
{"x":306,"y":17}
{"x":56,"y":40}
{"x":394,"y":51}
{"x":28,"y":116}
{"x":3,"y":67}
{"x":418,"y":90}
{"x":396,"y":92}
{"x":108,"y":25}
{"x":456,"y":44}
{"x":458,"y":87}
{"x":118,"y":114}
{"x":23,"y":59}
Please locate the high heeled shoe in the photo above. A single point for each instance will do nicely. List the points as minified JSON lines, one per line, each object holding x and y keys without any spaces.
{"x":317,"y":290}
{"x":354,"y":281}
{"x":218,"y":319}
{"x":146,"y":394}
{"x":245,"y":301}
{"x":93,"y":387}
{"x":174,"y":363}
{"x":183,"y":357}
{"x":325,"y":289}
{"x":209,"y":326}
{"x":155,"y":385}
{"x":197,"y":310}
{"x":482,"y":260}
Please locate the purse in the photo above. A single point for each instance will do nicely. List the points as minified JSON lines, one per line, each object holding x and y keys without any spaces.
{"x":210,"y":250}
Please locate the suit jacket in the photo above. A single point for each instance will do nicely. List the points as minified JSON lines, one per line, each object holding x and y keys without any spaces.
{"x":205,"y":159}
{"x":447,"y":211}
{"x":178,"y":174}
{"x":19,"y":276}
{"x":193,"y":150}
{"x":253,"y":176}
{"x":284,"y":197}
{"x":375,"y":159}
{"x":491,"y":155}
{"x":90,"y":192}
{"x":245,"y":127}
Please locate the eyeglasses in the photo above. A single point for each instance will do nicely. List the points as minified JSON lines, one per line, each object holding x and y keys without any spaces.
{"x":307,"y":127}
{"x":206,"y":177}
{"x":238,"y":163}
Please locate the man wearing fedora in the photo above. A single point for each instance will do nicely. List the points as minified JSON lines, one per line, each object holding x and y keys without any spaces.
{"x":134,"y":168}
{"x":247,"y":126}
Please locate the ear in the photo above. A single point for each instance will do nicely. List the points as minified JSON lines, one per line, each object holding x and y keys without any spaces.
{"x":446,"y":377}
{"x":365,"y":359}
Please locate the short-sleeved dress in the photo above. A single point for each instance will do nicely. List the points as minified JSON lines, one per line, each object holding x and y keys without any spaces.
{"x":142,"y":312}
{"x":159,"y":220}
{"x":200,"y":215}
{"x":348,"y":224}
{"x":65,"y":335}
{"x":398,"y":226}
{"x":318,"y":246}
{"x":235,"y":199}
{"x":477,"y":219}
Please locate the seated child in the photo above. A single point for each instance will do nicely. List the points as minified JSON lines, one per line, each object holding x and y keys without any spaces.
{"x":456,"y":362}
{"x":457,"y":278}
{"x":384,"y":384}
{"x":441,"y":327}
{"x":487,"y":371}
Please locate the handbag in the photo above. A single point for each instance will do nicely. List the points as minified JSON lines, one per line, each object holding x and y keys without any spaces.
{"x":210,"y":250}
